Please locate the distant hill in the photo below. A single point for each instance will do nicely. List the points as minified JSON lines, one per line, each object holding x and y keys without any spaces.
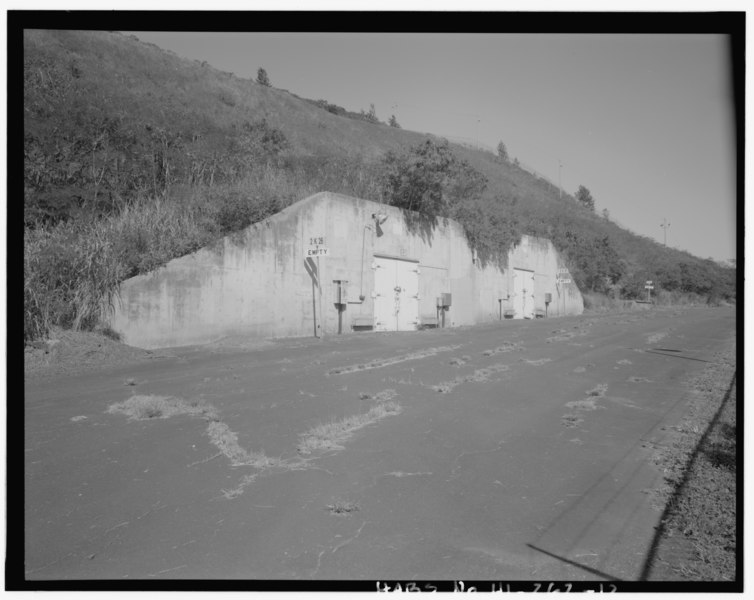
{"x":119,"y":134}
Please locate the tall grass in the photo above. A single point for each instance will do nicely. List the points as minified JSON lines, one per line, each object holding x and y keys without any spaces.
{"x":150,"y":232}
{"x":597,"y":302}
{"x":603,"y":303}
{"x":72,"y":270}
{"x":69,"y":271}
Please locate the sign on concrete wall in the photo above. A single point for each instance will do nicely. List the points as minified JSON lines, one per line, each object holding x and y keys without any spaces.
{"x":315,"y":246}
{"x":562,"y":276}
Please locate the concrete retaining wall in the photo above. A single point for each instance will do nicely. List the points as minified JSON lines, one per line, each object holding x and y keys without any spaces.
{"x":258,"y":283}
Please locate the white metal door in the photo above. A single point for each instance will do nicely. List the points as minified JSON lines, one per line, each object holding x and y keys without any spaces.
{"x":407,"y":294}
{"x":396,"y":295}
{"x":523,"y":294}
{"x":384,"y":281}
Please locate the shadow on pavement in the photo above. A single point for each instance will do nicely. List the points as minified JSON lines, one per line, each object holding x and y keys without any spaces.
{"x":576,"y":564}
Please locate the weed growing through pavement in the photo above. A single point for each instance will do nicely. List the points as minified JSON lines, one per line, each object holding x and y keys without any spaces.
{"x":536,"y":363}
{"x":382,"y":396}
{"x":656,"y":337}
{"x":600,"y":390}
{"x":227,"y":442}
{"x":477,"y":376}
{"x":571,"y":420}
{"x":238,"y":490}
{"x":161,"y":407}
{"x":560,"y":338}
{"x":342,"y":508}
{"x":506,"y":347}
{"x":447,"y":387}
{"x":484,"y":373}
{"x":332,"y":435}
{"x":585,"y":404}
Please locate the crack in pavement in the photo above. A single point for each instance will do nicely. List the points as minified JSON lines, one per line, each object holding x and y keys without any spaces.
{"x":338,"y":547}
{"x":166,"y":571}
{"x":457,"y":460}
{"x":96,"y":543}
{"x":379,"y":363}
{"x":477,"y":376}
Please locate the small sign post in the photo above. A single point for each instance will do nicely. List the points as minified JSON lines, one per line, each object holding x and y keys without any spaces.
{"x":316,"y":247}
{"x":649,"y":287}
{"x":562,"y":276}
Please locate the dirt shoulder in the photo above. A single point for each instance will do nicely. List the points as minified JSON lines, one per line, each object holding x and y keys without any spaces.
{"x":69,"y":352}
{"x":697,"y":538}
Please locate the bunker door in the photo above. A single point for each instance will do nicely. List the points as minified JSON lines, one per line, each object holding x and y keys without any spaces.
{"x":523,"y":294}
{"x":396,"y":294}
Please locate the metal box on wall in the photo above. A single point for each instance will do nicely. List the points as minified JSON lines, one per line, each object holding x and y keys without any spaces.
{"x":341,"y":292}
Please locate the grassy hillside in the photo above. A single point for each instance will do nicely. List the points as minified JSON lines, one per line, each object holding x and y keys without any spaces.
{"x":133,"y":156}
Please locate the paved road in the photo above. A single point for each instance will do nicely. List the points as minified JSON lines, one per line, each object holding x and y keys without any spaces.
{"x":518,"y":450}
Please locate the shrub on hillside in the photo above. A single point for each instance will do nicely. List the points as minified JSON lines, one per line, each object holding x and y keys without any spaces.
{"x":371,"y":116}
{"x":502,"y":152}
{"x":331,"y":108}
{"x":584,"y":197}
{"x":429,"y":179}
{"x":491,"y":228}
{"x":263,"y":78}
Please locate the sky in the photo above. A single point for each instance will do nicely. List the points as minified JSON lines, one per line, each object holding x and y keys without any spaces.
{"x":645,"y":122}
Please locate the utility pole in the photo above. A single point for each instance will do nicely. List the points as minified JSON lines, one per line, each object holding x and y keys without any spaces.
{"x":560,"y":187}
{"x":665,"y":225}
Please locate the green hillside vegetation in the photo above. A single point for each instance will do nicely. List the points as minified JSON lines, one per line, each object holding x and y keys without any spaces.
{"x":134,"y":156}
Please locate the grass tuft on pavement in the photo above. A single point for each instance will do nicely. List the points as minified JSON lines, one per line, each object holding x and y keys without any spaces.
{"x":332,"y":435}
{"x":342,"y":508}
{"x":141,"y":407}
{"x":227,"y":442}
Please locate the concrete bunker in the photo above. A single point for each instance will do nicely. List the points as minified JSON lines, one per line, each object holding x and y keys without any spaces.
{"x":332,"y":263}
